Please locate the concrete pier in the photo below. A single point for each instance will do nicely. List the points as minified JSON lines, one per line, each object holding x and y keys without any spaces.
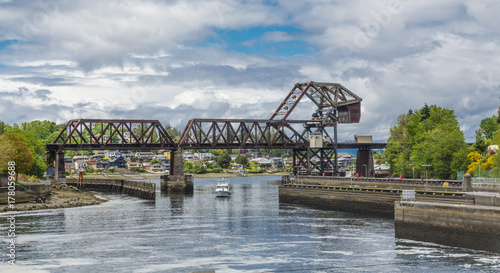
{"x":364,"y":200}
{"x":60,"y":174}
{"x":364,"y":163}
{"x":144,"y":190}
{"x":177,"y":183}
{"x":469,"y":226}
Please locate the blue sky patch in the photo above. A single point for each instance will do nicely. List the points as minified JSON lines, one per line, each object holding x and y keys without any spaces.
{"x":261,"y":41}
{"x":6,"y":43}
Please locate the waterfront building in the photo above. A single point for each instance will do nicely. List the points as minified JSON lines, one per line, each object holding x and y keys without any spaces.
{"x":81,"y":165}
{"x":277,"y":162}
{"x":134,"y":165}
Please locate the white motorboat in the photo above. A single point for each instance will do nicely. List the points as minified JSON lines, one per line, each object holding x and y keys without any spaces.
{"x":222,"y":188}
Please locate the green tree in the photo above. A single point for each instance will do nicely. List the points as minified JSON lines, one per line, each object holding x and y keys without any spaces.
{"x":486,"y":133}
{"x":224,"y":160}
{"x":427,"y":136}
{"x":14,"y":149}
{"x":241,"y":159}
{"x":154,"y":161}
{"x":2,"y":126}
{"x":488,"y":128}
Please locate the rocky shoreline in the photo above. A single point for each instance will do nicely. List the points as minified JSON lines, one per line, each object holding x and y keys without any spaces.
{"x":61,"y":196}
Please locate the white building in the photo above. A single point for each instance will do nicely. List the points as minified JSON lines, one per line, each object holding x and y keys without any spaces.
{"x":205,"y":156}
{"x":112,"y":154}
{"x":81,"y":165}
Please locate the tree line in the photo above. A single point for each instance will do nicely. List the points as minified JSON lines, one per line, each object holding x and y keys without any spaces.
{"x":429,"y":142}
{"x":426,"y":141}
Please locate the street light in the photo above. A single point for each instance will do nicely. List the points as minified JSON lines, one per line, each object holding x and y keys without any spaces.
{"x":426,"y":165}
{"x":413,"y":168}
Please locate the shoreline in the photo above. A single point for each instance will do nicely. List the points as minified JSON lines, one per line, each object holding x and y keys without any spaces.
{"x":61,"y":196}
{"x":64,"y":196}
{"x":146,"y":176}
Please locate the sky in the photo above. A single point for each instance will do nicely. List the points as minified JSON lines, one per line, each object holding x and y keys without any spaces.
{"x":178,"y":60}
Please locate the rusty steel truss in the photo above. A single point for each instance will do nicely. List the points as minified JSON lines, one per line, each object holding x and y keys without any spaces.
{"x":110,"y":134}
{"x":328,"y":97}
{"x":314,"y":161}
{"x":241,"y":133}
{"x":335,"y":104}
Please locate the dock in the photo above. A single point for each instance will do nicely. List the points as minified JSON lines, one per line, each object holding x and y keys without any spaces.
{"x":144,"y":190}
{"x":448,"y":214}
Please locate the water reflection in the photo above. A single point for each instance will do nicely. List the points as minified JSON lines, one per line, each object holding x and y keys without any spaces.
{"x":249,"y":232}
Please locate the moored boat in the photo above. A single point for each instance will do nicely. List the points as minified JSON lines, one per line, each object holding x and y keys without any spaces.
{"x":222,"y":188}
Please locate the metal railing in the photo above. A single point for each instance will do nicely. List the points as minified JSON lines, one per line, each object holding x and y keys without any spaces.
{"x":485,"y":180}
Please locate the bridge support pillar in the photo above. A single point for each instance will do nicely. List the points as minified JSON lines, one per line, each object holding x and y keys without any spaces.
{"x":176,"y":181}
{"x":60,"y":174}
{"x":364,"y":163}
{"x":467,"y":183}
{"x":304,"y":165}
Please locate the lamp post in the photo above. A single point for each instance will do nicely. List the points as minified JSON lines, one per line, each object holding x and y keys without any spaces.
{"x":366,"y":170}
{"x":426,"y":165}
{"x":479,"y":168}
{"x":413,"y":168}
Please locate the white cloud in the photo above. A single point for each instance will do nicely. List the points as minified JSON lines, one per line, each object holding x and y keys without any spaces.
{"x":127,"y":59}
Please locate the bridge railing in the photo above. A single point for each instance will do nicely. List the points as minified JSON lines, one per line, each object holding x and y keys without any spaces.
{"x":436,"y":182}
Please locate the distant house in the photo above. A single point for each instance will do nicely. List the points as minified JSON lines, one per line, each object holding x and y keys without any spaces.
{"x":99,"y":153}
{"x":155,"y":168}
{"x":118,"y":162}
{"x":70,"y":167}
{"x":68,"y":159}
{"x":129,"y":155}
{"x":81,"y":165}
{"x":345,"y":160}
{"x":134,"y":165}
{"x":51,"y":172}
{"x":277,"y":162}
{"x":80,"y":158}
{"x":113,"y":154}
{"x":161,"y":157}
{"x":236,"y":166}
{"x":205,"y":156}
{"x":264,"y":162}
{"x":97,"y":157}
{"x":98,"y":165}
{"x":288,"y":162}
{"x":189,"y":156}
{"x":492,"y":149}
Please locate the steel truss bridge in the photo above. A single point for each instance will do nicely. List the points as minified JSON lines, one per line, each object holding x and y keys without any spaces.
{"x":335,"y":105}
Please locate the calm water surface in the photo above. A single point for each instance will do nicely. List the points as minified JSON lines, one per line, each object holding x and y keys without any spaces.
{"x":250,"y":232}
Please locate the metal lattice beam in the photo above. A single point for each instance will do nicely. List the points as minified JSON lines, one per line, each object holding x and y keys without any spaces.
{"x":327,"y":96}
{"x":240,"y":133}
{"x":103,"y":134}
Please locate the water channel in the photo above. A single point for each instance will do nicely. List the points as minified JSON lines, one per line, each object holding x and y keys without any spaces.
{"x":249,"y":232}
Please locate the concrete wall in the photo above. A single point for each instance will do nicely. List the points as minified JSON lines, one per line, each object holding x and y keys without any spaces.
{"x":176,"y":183}
{"x":4,"y":180}
{"x":368,"y":203}
{"x":470,"y":226}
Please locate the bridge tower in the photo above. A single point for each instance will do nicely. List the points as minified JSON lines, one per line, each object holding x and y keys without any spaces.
{"x":335,"y":104}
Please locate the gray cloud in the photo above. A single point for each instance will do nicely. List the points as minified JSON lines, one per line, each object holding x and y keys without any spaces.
{"x":148,"y":59}
{"x":43,"y":81}
{"x":226,"y":75}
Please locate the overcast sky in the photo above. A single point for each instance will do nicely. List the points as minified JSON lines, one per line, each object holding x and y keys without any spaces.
{"x":178,"y":60}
